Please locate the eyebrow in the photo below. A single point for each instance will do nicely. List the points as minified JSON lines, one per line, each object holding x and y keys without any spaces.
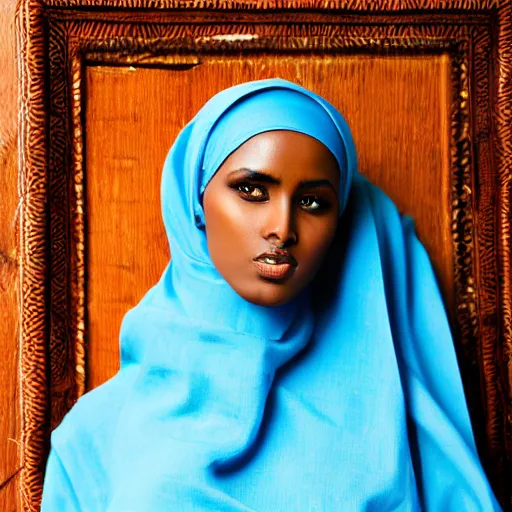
{"x":266,"y":178}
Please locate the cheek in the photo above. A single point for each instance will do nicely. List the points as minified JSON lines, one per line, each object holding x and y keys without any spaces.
{"x":316,"y":241}
{"x":228,"y":231}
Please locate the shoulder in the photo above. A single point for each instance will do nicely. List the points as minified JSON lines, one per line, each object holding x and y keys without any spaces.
{"x":81,"y":446}
{"x":87,"y":429}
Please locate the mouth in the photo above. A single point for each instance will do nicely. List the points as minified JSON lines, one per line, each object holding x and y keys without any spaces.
{"x":275,"y":265}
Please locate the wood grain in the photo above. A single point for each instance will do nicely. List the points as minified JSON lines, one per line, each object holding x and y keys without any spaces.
{"x":398,"y":110}
{"x":9,"y":494}
{"x":10,"y":421}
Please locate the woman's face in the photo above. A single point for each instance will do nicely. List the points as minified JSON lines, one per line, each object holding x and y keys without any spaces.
{"x":271,"y":212}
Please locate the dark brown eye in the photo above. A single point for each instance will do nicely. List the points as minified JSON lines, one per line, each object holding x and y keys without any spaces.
{"x":251,"y":192}
{"x":312,"y":203}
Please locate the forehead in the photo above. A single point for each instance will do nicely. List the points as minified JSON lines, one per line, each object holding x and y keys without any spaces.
{"x":284,"y":153}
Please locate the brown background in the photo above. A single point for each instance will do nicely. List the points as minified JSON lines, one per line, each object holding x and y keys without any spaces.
{"x":10,"y":422}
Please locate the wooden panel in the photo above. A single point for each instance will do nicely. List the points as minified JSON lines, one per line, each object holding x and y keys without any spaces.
{"x":10,"y":421}
{"x":9,"y":494}
{"x":398,"y":110}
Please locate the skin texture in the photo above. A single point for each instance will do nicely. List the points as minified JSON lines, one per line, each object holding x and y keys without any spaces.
{"x":246,"y":216}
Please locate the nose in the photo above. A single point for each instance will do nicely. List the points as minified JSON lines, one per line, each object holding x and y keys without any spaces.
{"x":280,"y":224}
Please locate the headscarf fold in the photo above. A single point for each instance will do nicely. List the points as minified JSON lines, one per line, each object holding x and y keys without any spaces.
{"x":347,"y":398}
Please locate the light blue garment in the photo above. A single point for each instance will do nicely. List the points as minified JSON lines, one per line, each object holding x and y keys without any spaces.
{"x":346,"y":399}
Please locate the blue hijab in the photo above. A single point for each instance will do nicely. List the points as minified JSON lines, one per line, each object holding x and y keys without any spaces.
{"x":348,"y":398}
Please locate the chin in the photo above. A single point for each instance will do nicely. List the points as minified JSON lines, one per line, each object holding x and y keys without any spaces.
{"x":268,"y":295}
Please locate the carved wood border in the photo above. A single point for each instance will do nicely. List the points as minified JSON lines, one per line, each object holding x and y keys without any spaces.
{"x":57,"y":38}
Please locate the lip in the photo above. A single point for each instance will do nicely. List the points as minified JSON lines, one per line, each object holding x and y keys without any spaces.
{"x":275,"y":272}
{"x":281,"y":256}
{"x":284,"y":267}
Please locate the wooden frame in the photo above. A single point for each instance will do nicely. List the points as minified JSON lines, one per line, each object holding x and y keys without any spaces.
{"x":57,"y":38}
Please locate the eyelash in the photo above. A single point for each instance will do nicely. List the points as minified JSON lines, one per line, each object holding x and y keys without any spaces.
{"x":322,"y":204}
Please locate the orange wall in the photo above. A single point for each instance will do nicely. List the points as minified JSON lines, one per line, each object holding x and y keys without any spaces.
{"x":10,"y":421}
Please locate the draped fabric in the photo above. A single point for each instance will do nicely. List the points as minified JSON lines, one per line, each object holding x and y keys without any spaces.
{"x":348,"y":398}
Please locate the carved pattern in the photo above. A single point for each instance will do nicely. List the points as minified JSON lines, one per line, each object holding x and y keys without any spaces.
{"x":484,"y":204}
{"x":503,"y":149}
{"x":53,"y":171}
{"x":61,"y":345}
{"x":462,"y":226}
{"x":33,"y":189}
{"x":349,"y":5}
{"x":78,"y":232}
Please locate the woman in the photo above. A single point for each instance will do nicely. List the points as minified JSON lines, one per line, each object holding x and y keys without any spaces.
{"x":250,"y":379}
